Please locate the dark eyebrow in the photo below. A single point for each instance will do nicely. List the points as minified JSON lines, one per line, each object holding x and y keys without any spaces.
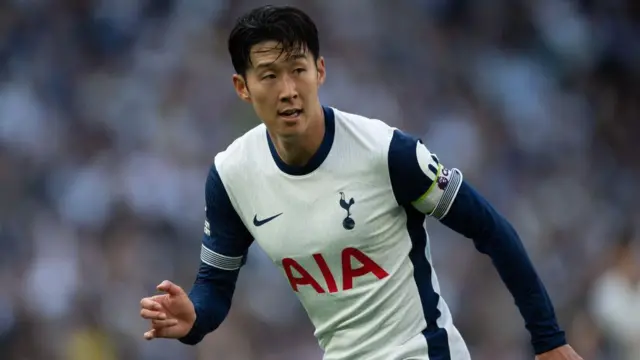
{"x":295,"y":57}
{"x":290,"y":58}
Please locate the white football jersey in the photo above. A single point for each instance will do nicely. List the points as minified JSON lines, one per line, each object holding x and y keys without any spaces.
{"x":348,"y":232}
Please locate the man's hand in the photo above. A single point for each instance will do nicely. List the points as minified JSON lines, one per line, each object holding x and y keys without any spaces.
{"x":562,"y":353}
{"x":172,"y":314}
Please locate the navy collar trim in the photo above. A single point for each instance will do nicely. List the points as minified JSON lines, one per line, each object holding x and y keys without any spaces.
{"x":318,"y":158}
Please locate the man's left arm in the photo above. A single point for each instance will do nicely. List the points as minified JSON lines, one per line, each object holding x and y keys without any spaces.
{"x":420,"y":181}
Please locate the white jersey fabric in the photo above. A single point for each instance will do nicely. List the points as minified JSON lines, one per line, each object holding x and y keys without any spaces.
{"x":347,"y":231}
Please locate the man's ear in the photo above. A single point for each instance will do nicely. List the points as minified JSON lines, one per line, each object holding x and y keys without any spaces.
{"x":322,"y":71}
{"x":240,"y":84}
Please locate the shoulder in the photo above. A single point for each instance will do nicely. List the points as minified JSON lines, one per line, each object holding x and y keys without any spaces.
{"x":239,"y":155}
{"x":371,"y":132}
{"x":370,"y":138}
{"x":392,"y":143}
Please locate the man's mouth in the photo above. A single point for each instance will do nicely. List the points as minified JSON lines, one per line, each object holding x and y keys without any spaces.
{"x":290,"y":113}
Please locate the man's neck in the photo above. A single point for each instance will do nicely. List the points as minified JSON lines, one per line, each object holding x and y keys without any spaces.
{"x":298,"y":151}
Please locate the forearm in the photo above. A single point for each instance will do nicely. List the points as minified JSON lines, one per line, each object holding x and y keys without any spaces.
{"x":224,"y":248}
{"x":211,"y":295}
{"x":473,"y":217}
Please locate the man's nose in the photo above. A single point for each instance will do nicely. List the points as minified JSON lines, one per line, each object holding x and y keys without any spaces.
{"x":289,"y":91}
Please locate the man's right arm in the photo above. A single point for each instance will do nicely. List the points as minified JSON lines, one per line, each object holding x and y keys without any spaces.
{"x":224,"y":249}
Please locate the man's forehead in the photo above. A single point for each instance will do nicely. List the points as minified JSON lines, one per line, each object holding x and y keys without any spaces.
{"x":270,"y":52}
{"x":274,"y":46}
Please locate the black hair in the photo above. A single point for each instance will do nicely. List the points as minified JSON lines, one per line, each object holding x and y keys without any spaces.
{"x":290,"y":27}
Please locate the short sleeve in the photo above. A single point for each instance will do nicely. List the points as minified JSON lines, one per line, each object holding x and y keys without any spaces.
{"x":419,"y":179}
{"x":226,"y":240}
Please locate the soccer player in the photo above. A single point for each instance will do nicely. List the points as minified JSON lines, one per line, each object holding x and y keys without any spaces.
{"x":338,"y":202}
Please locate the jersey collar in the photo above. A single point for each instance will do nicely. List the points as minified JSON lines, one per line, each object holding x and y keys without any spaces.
{"x":318,"y":158}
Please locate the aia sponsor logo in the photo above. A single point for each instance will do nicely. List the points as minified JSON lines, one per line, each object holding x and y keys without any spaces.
{"x":299,"y":276}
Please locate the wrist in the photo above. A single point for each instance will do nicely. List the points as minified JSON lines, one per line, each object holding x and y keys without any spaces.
{"x":195,"y":334}
{"x":546,"y":343}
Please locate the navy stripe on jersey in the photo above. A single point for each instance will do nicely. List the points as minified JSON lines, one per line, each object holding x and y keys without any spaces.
{"x":409,"y":182}
{"x":437,"y":337}
{"x":318,"y":158}
{"x":224,"y":247}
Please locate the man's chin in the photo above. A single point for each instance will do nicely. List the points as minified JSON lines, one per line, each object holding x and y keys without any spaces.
{"x":289,"y":121}
{"x":289,"y":134}
{"x":290,"y":128}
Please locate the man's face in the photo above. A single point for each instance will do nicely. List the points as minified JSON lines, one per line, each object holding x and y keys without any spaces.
{"x":282,"y":87}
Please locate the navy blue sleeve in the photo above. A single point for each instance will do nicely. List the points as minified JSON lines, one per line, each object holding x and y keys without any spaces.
{"x":472,"y":216}
{"x":429,"y":187}
{"x":224,"y":248}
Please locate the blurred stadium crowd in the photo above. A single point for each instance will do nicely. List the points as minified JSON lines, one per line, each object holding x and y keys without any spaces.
{"x":112,"y":111}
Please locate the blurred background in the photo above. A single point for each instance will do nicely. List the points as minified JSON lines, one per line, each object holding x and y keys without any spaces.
{"x":111,"y":112}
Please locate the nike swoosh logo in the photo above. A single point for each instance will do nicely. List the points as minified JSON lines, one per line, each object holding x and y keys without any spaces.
{"x":257,"y":222}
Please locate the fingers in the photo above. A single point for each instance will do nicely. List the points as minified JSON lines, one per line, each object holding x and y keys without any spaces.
{"x":150,"y":304}
{"x":161,"y":324}
{"x":170,"y":288}
{"x":160,"y":328}
{"x":153,"y":310}
{"x":152,"y":315}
